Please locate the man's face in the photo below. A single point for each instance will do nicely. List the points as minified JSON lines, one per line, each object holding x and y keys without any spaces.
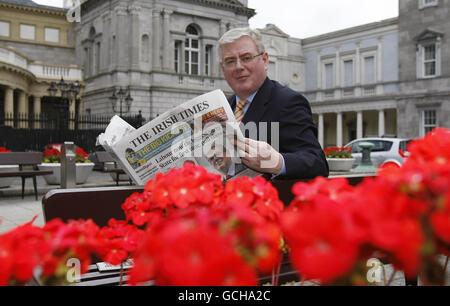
{"x":219,"y":159}
{"x":244,"y":78}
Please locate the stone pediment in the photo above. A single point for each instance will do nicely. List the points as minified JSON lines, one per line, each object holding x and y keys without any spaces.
{"x":272,"y":29}
{"x":233,"y":5}
{"x":428,"y":34}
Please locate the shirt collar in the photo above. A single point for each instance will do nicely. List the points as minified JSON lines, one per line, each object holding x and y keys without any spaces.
{"x":249,"y":99}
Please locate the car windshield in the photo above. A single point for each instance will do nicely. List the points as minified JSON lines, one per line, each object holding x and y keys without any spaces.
{"x":404,"y":145}
{"x":379,"y":145}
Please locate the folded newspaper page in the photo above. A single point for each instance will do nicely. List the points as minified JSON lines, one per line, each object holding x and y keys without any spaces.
{"x":200,"y":131}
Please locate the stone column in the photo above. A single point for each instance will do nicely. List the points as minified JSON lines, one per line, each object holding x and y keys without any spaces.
{"x":339,"y":129}
{"x":156,"y":39}
{"x":338,"y":68}
{"x":222,"y":28}
{"x":359,"y":124}
{"x":122,"y":38}
{"x":320,"y":94}
{"x":321,"y":130}
{"x":9,"y":105}
{"x":381,"y":128}
{"x":135,"y":36}
{"x":379,"y":60}
{"x":106,"y":43}
{"x":22,"y":109}
{"x":37,"y":112}
{"x":167,"y":49}
{"x":358,"y":71}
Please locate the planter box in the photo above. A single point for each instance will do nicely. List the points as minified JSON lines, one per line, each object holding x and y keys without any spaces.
{"x":7,"y":181}
{"x":83,"y":170}
{"x":340,"y":164}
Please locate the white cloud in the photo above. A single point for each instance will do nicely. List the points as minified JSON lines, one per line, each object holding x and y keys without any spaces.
{"x":305,"y":18}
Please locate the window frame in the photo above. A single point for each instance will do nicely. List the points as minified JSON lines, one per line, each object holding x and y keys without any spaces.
{"x":9,"y":28}
{"x":325,"y":63}
{"x":353,"y":73}
{"x":189,"y":51}
{"x":58,"y":35}
{"x":424,"y":125}
{"x":423,"y":4}
{"x":27,"y":25}
{"x":421,"y":61}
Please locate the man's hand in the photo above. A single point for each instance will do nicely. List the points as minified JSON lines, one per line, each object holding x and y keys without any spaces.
{"x":259,"y":156}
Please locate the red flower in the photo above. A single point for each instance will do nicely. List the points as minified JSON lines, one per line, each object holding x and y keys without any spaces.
{"x":256,"y":193}
{"x":3,"y":150}
{"x":322,"y":245}
{"x":118,"y":241}
{"x":81,"y":152}
{"x":51,"y":152}
{"x":184,"y":251}
{"x":433,"y":147}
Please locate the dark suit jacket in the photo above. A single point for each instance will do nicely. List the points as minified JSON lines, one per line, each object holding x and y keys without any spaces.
{"x":302,"y":153}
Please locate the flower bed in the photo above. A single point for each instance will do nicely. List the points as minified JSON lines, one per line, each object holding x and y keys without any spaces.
{"x":187,"y":228}
{"x":339,"y":158}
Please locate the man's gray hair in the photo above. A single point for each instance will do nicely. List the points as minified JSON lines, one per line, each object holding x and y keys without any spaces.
{"x":236,"y":33}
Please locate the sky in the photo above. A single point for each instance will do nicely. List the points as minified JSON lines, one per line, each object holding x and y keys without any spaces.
{"x":306,"y":18}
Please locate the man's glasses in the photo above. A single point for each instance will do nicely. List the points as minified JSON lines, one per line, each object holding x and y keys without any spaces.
{"x":245,"y":59}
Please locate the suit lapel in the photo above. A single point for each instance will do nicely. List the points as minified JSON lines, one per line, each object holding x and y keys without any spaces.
{"x":259,"y":104}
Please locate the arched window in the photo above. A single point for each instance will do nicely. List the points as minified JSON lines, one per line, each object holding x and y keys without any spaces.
{"x":192,"y":51}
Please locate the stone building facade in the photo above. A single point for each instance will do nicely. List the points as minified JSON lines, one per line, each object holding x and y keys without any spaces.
{"x":37,"y":47}
{"x":352,"y":81}
{"x":166,"y":52}
{"x":424,"y":74}
{"x":387,"y":78}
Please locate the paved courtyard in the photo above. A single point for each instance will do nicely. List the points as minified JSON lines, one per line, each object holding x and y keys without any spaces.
{"x":15,"y":211}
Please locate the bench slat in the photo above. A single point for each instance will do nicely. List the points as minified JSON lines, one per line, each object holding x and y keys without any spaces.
{"x":21,"y":158}
{"x":25,"y":173}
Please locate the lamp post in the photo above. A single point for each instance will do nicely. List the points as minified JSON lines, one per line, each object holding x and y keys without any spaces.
{"x":122,"y":96}
{"x":69,"y":93}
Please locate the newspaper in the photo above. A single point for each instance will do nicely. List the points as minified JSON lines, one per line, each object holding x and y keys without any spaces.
{"x":201,"y":131}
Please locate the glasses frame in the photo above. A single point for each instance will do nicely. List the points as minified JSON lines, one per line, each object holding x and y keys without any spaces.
{"x":232,"y":64}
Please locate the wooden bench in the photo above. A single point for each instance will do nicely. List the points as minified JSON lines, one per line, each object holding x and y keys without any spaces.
{"x":24,"y":159}
{"x":105,"y":157}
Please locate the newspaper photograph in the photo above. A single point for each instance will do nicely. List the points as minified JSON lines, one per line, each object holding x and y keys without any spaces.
{"x":201,"y":131}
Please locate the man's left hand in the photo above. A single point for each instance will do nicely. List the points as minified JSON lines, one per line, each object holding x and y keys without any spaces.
{"x":259,"y":156}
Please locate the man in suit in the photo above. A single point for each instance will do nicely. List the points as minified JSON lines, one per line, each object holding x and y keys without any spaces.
{"x":258,"y":99}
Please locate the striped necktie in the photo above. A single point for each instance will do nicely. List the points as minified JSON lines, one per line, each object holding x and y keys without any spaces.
{"x":239,"y":111}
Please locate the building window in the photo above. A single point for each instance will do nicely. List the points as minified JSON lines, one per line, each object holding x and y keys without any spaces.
{"x":369,"y":70}
{"x":208,"y":51}
{"x":427,"y":3}
{"x":177,"y":56}
{"x":97,"y":57}
{"x":329,"y":76}
{"x":52,"y":35}
{"x":348,"y":73}
{"x":192,"y":51}
{"x":429,"y":60}
{"x":4,"y":28}
{"x":429,"y":121}
{"x":27,"y":31}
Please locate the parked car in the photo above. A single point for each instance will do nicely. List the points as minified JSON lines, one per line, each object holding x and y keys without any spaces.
{"x":386,"y":151}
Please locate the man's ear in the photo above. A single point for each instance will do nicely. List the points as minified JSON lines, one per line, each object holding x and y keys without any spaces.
{"x":265,"y":58}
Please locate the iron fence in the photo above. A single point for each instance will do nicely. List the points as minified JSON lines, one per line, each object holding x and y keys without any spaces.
{"x":23,"y":132}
